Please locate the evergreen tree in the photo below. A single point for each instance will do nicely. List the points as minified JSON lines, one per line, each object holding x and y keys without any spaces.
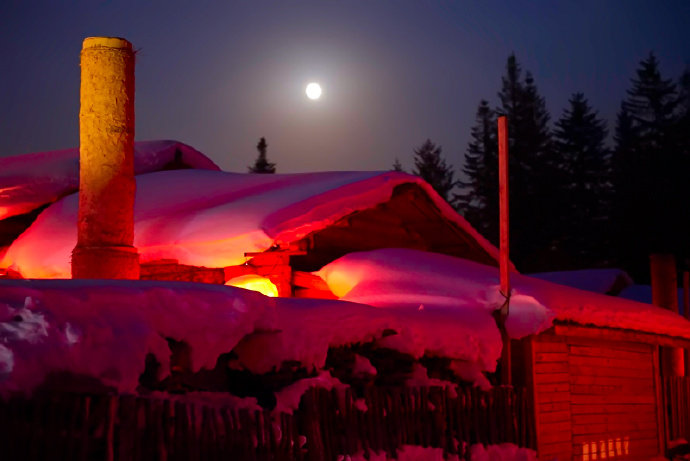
{"x":683,"y":124}
{"x":430,"y":166}
{"x":534,"y":178}
{"x":397,"y":166}
{"x":583,"y":162}
{"x":262,"y":165}
{"x":648,"y":171}
{"x":478,"y":201}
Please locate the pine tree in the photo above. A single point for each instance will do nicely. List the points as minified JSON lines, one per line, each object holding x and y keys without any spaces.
{"x":648,"y":171}
{"x":262,"y":165}
{"x":430,"y":166}
{"x":534,"y":178}
{"x":478,"y":201}
{"x":397,"y":166}
{"x":583,"y":162}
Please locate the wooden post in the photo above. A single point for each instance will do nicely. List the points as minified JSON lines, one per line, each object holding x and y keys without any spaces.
{"x":504,"y":259}
{"x":665,"y":294}
{"x":686,"y":311}
{"x":106,"y":162}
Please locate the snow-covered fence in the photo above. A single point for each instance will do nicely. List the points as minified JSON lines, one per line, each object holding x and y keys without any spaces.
{"x":677,"y":400}
{"x":61,"y":426}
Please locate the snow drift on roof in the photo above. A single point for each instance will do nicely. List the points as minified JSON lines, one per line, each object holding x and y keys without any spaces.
{"x":408,"y":278}
{"x":29,"y":181}
{"x":212,"y":218}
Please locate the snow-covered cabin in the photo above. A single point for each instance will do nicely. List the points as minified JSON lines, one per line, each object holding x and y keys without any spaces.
{"x":213,"y":226}
{"x":591,"y":361}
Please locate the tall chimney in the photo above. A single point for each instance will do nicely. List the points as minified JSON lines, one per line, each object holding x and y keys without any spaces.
{"x":665,"y":294}
{"x":106,"y":162}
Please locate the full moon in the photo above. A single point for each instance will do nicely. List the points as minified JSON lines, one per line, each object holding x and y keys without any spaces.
{"x":313,"y":91}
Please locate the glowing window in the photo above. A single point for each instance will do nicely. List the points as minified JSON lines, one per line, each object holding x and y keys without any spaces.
{"x":255,"y":283}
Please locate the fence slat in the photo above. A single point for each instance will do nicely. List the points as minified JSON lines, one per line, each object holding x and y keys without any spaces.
{"x":113,"y":428}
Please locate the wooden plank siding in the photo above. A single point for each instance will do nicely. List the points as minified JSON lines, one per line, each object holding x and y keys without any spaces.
{"x":595,"y":398}
{"x":552,"y":397}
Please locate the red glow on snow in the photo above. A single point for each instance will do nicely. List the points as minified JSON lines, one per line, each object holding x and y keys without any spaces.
{"x":255,"y":283}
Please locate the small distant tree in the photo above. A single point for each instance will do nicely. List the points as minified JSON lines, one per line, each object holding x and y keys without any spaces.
{"x":430,"y":166}
{"x":262,"y":165}
{"x":397,"y":166}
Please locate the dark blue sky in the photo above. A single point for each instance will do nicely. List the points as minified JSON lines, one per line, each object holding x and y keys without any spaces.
{"x":219,"y":75}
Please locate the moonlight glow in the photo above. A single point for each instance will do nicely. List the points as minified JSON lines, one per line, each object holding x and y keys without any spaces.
{"x":313,"y":91}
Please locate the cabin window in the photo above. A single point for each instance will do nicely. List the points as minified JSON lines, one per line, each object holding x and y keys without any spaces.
{"x":255,"y":283}
{"x":606,"y":449}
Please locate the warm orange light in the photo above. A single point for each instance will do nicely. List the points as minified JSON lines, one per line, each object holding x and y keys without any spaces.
{"x":255,"y":283}
{"x":604,"y":449}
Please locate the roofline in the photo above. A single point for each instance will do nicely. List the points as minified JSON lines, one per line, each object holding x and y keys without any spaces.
{"x":616,"y":334}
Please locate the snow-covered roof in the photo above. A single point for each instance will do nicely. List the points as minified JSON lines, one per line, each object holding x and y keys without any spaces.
{"x":29,"y":181}
{"x":604,"y":281}
{"x":400,"y":278}
{"x":212,"y":218}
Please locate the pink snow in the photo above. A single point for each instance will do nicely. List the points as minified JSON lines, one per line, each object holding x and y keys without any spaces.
{"x":29,"y":181}
{"x":429,"y":282}
{"x":478,"y":452}
{"x":212,"y":218}
{"x":288,"y":398}
{"x":105,"y":328}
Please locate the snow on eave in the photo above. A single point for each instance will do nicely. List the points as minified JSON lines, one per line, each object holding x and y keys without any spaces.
{"x":598,"y":310}
{"x":614,"y":333}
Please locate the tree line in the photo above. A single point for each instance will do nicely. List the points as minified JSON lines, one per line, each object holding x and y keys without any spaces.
{"x":574,"y":202}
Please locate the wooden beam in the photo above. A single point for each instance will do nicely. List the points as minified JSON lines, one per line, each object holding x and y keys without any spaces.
{"x":614,"y":334}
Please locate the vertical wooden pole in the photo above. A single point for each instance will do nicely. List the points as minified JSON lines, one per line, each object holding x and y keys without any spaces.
{"x":665,"y":294}
{"x":503,"y":204}
{"x":106,"y":162}
{"x":686,"y":311}
{"x":504,"y":259}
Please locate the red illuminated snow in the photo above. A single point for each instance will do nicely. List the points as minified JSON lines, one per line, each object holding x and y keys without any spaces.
{"x":212,"y":218}
{"x":29,"y":181}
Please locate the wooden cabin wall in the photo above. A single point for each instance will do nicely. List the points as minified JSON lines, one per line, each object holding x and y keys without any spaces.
{"x":596,"y":399}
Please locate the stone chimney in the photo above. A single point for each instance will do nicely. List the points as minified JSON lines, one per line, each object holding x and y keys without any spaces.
{"x":106,"y":162}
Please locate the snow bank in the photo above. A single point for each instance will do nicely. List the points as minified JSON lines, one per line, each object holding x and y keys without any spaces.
{"x":502,"y":452}
{"x":288,"y":398}
{"x":29,"y":181}
{"x":429,"y":282}
{"x":104,"y":329}
{"x":212,"y":218}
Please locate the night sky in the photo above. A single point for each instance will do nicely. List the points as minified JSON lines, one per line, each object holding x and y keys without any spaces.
{"x":219,"y":75}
